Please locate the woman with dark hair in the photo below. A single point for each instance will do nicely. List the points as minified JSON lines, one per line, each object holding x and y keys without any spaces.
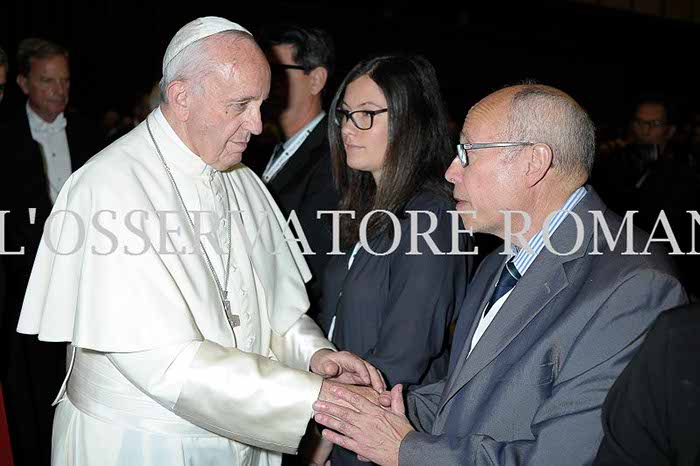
{"x":392,"y":297}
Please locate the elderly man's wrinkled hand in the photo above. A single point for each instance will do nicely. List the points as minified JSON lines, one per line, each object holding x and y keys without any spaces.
{"x":330,"y":387}
{"x":346,"y":368}
{"x":371,"y":431}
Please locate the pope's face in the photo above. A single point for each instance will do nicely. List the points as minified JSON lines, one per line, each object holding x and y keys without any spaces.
{"x":224,"y":110}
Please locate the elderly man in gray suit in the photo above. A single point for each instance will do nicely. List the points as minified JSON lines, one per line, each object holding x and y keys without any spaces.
{"x":548,"y":323}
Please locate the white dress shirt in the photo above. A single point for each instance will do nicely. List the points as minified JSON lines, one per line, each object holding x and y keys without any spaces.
{"x":524,"y":259}
{"x":289,"y":148}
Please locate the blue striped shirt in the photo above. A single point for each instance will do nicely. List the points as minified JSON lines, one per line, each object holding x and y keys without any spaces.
{"x":524,"y":258}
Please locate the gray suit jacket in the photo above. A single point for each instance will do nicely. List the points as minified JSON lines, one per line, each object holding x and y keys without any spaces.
{"x":531,"y":391}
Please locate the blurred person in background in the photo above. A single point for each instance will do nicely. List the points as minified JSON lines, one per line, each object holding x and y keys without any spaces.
{"x":298,"y":168}
{"x":43,"y":144}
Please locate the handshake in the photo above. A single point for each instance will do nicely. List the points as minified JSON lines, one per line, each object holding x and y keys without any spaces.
{"x":358,"y":411}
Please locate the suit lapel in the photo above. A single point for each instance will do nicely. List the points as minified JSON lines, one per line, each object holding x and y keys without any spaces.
{"x":28,"y":159}
{"x":73,"y":151}
{"x":525,"y":302}
{"x":80,"y":143}
{"x":350,"y":276}
{"x":302,"y":160}
{"x":472,"y":308}
{"x":31,"y":148}
{"x":543,"y":281}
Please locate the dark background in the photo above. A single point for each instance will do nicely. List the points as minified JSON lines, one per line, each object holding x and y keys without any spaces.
{"x":602,"y":56}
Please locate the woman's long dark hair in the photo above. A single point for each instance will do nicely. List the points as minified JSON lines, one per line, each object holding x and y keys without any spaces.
{"x":418,"y":151}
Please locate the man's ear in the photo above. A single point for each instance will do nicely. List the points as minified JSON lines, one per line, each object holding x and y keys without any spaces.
{"x":539,"y":161}
{"x":23,"y":83}
{"x":179,"y":99}
{"x":319,"y":76}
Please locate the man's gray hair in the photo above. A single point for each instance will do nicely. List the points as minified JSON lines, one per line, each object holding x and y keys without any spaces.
{"x":35,"y":48}
{"x":193,"y":62}
{"x":542,"y":114}
{"x":3,"y":58}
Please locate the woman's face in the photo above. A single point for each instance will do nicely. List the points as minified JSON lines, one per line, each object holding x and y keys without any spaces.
{"x":365,"y":149}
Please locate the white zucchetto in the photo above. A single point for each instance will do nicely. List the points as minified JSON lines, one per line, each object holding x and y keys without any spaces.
{"x":196,"y":30}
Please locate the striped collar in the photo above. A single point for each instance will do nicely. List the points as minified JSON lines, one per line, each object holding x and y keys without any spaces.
{"x":524,"y":258}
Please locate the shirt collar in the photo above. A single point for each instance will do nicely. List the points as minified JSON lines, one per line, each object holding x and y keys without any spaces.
{"x":39,"y":125}
{"x":524,"y":258}
{"x":304,"y":132}
{"x":183,"y":158}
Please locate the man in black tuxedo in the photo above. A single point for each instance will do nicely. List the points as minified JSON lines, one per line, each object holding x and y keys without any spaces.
{"x":298,"y":173}
{"x":42,"y":145}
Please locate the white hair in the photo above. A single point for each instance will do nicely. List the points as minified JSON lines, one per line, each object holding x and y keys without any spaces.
{"x":193,"y":62}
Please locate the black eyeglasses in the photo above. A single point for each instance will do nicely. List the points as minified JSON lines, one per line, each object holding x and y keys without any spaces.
{"x":463,"y":148}
{"x":284,"y":66}
{"x":362,"y":119}
{"x":649,"y":123}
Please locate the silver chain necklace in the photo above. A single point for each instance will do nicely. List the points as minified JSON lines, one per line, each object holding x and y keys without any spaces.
{"x":233,"y":319}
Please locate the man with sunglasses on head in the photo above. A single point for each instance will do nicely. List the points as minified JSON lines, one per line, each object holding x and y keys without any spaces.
{"x":549,"y":320}
{"x":298,"y":171}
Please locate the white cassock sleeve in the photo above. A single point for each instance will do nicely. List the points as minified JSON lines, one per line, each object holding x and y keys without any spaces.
{"x":299,"y":343}
{"x":242,"y":396}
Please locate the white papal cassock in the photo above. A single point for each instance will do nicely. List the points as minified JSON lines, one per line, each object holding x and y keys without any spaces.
{"x":155,"y":377}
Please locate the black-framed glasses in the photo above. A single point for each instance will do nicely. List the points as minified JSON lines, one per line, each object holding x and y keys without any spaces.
{"x":462,"y":149}
{"x":285,"y":66}
{"x":362,"y":119}
{"x":649,"y":123}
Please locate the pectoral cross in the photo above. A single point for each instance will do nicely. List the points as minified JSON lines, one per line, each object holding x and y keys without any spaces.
{"x":233,"y":319}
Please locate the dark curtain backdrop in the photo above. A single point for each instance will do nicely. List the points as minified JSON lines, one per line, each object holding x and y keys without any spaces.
{"x":602,"y":57}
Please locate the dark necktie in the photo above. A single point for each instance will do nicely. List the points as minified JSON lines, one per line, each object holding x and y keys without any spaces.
{"x":509,"y":277}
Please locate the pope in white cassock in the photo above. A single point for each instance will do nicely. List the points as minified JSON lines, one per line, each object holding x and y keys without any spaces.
{"x":189,"y":342}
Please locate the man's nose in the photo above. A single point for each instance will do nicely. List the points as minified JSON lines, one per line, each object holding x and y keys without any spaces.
{"x":59,"y":89}
{"x":254,"y":122}
{"x":454,"y":171}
